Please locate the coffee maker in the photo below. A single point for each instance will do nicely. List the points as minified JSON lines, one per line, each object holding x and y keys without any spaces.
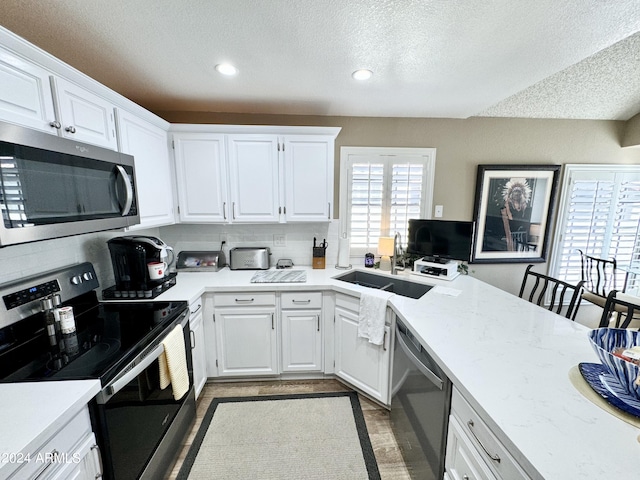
{"x":140,"y":265}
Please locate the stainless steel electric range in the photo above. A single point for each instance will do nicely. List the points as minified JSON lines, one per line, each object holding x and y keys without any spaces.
{"x":139,"y":426}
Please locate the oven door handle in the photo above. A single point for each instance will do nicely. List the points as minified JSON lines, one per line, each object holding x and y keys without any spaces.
{"x":118,"y":384}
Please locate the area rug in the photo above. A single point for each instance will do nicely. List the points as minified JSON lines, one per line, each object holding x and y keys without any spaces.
{"x":303,"y":437}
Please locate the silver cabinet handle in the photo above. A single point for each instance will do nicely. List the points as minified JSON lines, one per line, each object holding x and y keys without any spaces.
{"x":70,"y":129}
{"x":244,"y":300}
{"x":273,"y":323}
{"x":384,"y":342}
{"x":193,"y":339}
{"x":197,"y":309}
{"x":52,"y":458}
{"x":233,"y":210}
{"x":224,"y":210}
{"x":318,"y":317}
{"x":96,"y":450}
{"x":329,"y":211}
{"x":493,"y":457}
{"x":303,"y":302}
{"x":55,"y":124}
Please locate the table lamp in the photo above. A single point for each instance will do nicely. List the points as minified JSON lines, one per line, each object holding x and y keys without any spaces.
{"x":385,"y":250}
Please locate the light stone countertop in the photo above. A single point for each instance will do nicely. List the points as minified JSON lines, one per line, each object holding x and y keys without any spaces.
{"x":510,"y":359}
{"x":31,"y":412}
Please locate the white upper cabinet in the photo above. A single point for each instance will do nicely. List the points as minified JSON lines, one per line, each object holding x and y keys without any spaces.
{"x":254,"y":174}
{"x":308,"y":178}
{"x":201,"y":177}
{"x":25,"y":94}
{"x":149,"y":146}
{"x":84,"y":116}
{"x":253,"y":177}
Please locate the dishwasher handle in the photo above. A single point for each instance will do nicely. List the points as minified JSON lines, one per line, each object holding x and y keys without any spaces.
{"x":419,"y":364}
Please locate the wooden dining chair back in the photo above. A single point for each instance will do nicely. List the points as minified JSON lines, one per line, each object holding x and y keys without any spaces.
{"x":599,"y":277}
{"x":551,"y":293}
{"x":621,"y":311}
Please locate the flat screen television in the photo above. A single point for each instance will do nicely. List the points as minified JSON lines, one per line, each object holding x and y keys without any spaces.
{"x":441,"y":240}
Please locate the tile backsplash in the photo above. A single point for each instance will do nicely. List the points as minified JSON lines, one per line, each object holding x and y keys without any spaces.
{"x":292,"y":241}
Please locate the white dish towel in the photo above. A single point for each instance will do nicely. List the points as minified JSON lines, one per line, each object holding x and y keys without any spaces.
{"x":173,"y":363}
{"x":371,"y":317}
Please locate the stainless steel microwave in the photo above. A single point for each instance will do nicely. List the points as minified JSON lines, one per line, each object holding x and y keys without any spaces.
{"x":53,"y":187}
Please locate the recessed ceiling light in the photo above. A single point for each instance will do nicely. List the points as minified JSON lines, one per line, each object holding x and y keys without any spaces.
{"x":362,"y":74}
{"x":226,"y":69}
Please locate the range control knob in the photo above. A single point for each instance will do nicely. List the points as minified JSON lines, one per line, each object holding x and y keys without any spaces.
{"x":77,"y":280}
{"x":87,"y":276}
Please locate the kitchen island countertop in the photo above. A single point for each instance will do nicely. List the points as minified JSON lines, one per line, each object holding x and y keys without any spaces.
{"x":511,"y":360}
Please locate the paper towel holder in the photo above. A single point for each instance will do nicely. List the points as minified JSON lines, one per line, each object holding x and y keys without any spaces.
{"x":338,"y":266}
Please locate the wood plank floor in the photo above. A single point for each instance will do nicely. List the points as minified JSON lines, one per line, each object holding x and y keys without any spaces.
{"x":386,"y":449}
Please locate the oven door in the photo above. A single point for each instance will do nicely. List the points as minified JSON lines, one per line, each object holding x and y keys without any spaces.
{"x":135,"y":415}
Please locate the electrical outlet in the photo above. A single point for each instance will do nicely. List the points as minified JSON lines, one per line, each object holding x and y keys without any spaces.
{"x":279,"y":240}
{"x":439,"y":211}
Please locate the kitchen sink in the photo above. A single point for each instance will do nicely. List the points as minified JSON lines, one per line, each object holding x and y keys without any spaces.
{"x":380,"y":282}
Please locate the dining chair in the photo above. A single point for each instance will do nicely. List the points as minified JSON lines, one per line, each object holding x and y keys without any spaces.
{"x":599,"y":278}
{"x":542,"y":290}
{"x":621,"y":310}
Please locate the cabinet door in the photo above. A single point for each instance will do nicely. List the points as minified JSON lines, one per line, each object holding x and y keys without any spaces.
{"x":246,"y":342}
{"x":201,"y":177}
{"x":198,"y":352}
{"x":84,"y":116}
{"x":301,"y":341}
{"x":308,"y":178}
{"x":358,"y":362}
{"x":253,"y":172}
{"x":25,"y":94}
{"x":148,"y":145}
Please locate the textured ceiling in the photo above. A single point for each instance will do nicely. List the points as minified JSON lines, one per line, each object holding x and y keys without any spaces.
{"x":430,"y":58}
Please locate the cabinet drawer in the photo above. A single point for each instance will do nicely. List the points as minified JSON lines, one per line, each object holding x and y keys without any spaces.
{"x":56,"y":450}
{"x":463,"y":460}
{"x":244,"y":299}
{"x":485,"y":441}
{"x":299,"y":300}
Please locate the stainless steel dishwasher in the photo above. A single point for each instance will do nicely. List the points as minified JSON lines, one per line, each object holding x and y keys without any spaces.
{"x":420,"y":403}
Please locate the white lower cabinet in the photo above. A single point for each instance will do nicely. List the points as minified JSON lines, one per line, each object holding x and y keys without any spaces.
{"x":198,"y":349}
{"x":362,"y":364}
{"x":246,"y":336}
{"x":71,"y":453}
{"x":473,"y":451}
{"x":301,"y":317}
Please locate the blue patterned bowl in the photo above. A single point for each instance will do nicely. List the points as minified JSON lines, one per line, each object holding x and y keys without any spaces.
{"x":605,"y":341}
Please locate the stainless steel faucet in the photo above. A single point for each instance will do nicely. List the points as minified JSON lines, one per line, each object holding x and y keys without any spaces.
{"x":397,"y":253}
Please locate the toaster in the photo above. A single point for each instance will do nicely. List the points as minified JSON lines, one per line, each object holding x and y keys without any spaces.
{"x":249,"y":258}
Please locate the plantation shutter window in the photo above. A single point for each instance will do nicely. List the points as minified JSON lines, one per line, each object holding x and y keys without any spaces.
{"x":600,"y":215}
{"x":382,"y":193}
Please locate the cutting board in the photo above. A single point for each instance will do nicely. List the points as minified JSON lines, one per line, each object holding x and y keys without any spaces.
{"x":279,"y":276}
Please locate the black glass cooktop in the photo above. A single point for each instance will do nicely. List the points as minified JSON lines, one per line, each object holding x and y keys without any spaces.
{"x":107,"y":337}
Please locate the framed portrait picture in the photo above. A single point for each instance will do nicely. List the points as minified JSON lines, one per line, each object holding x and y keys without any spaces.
{"x":513,"y":210}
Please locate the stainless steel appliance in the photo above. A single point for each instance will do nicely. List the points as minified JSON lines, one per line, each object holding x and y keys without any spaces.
{"x":133,"y":258}
{"x":139,"y":426}
{"x":420,"y":405}
{"x":249,"y":258}
{"x":200,"y":261}
{"x":54,"y":187}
